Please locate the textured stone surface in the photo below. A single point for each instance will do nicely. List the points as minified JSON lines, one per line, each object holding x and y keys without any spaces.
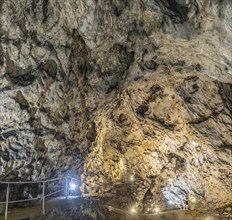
{"x":109,"y":89}
{"x":88,"y":209}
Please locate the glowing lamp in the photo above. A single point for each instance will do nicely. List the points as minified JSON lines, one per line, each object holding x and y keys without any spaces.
{"x":133,"y":210}
{"x":72,"y":186}
{"x":156,"y":209}
{"x":132,"y":178}
{"x":193,"y":199}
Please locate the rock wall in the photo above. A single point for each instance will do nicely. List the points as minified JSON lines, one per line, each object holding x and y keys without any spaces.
{"x":113,"y":90}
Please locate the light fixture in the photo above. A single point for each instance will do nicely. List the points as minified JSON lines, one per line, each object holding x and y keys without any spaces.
{"x":132,"y":178}
{"x":133,"y":210}
{"x":73,"y":185}
{"x":192,"y":199}
{"x":110,"y":208}
{"x":156,"y":209}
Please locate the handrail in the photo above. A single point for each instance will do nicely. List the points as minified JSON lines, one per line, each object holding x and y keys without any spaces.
{"x":36,"y":181}
{"x":21,"y":200}
{"x":43,"y":197}
{"x":54,"y":193}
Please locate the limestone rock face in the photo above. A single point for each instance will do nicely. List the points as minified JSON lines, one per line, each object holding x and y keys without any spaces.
{"x":119,"y":92}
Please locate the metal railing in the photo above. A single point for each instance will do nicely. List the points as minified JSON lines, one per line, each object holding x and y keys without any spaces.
{"x":44,"y":196}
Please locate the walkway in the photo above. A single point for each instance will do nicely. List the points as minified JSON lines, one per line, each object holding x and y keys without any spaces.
{"x":31,"y":211}
{"x":35,"y":211}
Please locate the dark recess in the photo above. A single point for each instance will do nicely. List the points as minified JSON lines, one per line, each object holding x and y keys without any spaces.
{"x":45,"y":10}
{"x":177,"y":12}
{"x":225,"y":90}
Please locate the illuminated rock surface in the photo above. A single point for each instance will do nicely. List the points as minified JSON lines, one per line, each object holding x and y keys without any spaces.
{"x":115,"y":89}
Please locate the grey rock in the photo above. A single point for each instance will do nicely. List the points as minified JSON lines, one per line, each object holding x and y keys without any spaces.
{"x":72,"y":101}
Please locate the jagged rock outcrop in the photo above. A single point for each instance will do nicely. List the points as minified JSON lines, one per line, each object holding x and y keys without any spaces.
{"x":108,"y":89}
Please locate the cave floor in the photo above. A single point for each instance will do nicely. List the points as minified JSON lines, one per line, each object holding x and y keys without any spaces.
{"x":34,"y":212}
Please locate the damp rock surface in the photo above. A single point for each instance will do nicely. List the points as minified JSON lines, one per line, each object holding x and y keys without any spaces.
{"x":119,"y":91}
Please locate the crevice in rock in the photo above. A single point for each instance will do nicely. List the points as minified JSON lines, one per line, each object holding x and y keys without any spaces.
{"x":19,"y":98}
{"x":9,"y":134}
{"x":225,"y":90}
{"x":17,"y":75}
{"x":91,"y":134}
{"x":163,"y":123}
{"x":1,"y":53}
{"x":142,"y":109}
{"x":21,"y":80}
{"x":200,"y":120}
{"x":50,"y":67}
{"x":173,"y":9}
{"x":45,"y":10}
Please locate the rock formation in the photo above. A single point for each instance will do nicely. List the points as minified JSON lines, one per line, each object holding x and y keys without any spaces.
{"x":111,"y":90}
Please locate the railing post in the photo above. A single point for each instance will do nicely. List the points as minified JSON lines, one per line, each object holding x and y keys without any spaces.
{"x":7,"y":200}
{"x":66,"y":187}
{"x":43,"y":202}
